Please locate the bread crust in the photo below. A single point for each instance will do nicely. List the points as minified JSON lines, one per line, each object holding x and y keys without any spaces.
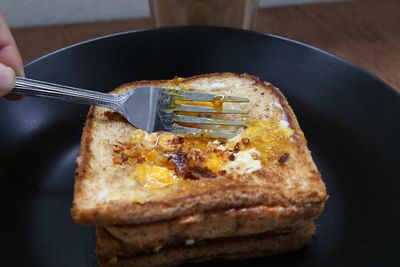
{"x":204,"y":195}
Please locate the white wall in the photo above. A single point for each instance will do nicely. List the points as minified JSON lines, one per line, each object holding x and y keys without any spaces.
{"x":21,"y":13}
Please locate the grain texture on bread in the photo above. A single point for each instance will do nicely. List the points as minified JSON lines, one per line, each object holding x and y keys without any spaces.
{"x":106,"y":195}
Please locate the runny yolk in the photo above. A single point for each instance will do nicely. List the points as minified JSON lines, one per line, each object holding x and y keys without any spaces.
{"x":268,"y":137}
{"x":217,"y":103}
{"x":153,"y":176}
{"x":153,"y":168}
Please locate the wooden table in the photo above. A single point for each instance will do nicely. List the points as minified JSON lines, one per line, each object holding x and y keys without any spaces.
{"x":365,"y":32}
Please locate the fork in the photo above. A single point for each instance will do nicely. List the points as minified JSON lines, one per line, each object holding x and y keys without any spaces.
{"x":148,"y":108}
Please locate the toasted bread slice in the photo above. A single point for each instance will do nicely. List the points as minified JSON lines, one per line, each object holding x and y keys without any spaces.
{"x":230,"y":248}
{"x":200,"y":227}
{"x":121,"y":182}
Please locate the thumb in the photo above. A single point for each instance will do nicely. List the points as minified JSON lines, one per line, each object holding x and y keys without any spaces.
{"x":7,"y":79}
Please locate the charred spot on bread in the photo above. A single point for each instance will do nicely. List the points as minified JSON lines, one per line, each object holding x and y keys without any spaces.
{"x":178,"y":140}
{"x":179,"y":161}
{"x":140,"y":160}
{"x":236,"y":148}
{"x":198,"y":172}
{"x":222,"y":172}
{"x":114,"y":116}
{"x":282,"y":159}
{"x":245,"y":141}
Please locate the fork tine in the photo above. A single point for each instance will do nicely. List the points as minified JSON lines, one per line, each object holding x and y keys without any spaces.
{"x":198,"y":132}
{"x":200,"y":120}
{"x":202,"y":97}
{"x":199,"y":109}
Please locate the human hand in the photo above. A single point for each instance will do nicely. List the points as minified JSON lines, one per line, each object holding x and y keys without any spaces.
{"x":10,"y":59}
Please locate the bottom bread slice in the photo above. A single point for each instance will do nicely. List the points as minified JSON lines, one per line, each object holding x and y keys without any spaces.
{"x":228,"y":248}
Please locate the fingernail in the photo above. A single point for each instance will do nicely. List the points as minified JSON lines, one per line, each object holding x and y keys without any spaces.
{"x":7,"y":79}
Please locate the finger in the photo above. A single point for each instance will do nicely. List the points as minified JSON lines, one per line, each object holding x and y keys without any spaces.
{"x":7,"y":79}
{"x":9,"y":53}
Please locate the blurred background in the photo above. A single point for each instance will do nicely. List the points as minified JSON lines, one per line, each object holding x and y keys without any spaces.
{"x":23,"y":13}
{"x":365,"y":32}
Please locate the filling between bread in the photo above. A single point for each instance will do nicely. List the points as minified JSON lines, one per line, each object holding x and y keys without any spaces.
{"x":190,"y":229}
{"x":269,"y":243}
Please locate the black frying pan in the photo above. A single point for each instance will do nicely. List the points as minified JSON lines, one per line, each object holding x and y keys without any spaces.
{"x":350,"y":118}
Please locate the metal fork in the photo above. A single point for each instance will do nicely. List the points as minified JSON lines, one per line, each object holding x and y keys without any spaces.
{"x":148,"y":108}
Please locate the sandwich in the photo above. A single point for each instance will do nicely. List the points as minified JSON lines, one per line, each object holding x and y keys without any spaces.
{"x":162,"y":199}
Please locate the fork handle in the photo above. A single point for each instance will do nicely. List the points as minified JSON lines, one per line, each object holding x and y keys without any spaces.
{"x":30,"y":87}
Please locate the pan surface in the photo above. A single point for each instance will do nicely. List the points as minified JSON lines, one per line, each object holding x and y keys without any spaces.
{"x":350,"y":118}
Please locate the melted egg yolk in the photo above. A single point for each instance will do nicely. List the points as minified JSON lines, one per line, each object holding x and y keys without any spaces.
{"x":262,"y":142}
{"x":153,"y":176}
{"x":269,"y":137}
